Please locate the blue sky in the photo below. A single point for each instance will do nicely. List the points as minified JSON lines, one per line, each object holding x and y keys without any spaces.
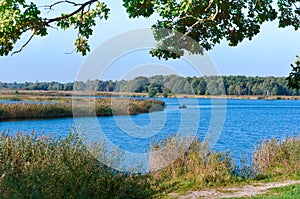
{"x":269,"y":54}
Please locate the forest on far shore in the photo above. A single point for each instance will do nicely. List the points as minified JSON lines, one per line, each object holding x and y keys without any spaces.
{"x":172,"y":84}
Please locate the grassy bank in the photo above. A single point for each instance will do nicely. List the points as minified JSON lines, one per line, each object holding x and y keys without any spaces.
{"x":273,"y":160}
{"x":102,"y":107}
{"x":252,"y":97}
{"x":41,"y":167}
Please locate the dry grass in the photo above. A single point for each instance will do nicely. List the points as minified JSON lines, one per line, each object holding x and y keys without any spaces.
{"x":32,"y":111}
{"x":196,"y":167}
{"x":277,"y":158}
{"x":53,"y":95}
{"x":5,"y":93}
{"x":99,"y":107}
{"x":44,"y":167}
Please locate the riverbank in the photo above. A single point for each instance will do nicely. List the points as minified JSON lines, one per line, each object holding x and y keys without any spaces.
{"x":38,"y":94}
{"x":66,"y":95}
{"x":59,"y":108}
{"x":44,"y":167}
{"x":251,"y":97}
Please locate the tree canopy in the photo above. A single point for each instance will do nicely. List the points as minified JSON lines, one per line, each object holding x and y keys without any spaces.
{"x":205,"y":21}
{"x":294,"y":76}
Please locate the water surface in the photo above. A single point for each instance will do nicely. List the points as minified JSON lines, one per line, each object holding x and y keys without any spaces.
{"x":247,"y":122}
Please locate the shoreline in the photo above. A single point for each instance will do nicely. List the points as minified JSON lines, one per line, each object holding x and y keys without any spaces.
{"x":250,"y":97}
{"x":213,"y":174}
{"x":62,"y":95}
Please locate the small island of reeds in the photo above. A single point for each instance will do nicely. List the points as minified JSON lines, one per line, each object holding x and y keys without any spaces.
{"x":59,"y":107}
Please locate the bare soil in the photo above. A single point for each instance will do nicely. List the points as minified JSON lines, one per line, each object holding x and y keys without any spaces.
{"x":243,"y":191}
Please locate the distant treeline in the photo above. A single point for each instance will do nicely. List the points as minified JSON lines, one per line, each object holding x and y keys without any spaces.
{"x":172,"y":84}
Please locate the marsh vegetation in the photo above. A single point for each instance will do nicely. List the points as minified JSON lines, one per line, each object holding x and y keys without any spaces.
{"x":34,"y":166}
{"x":84,"y":107}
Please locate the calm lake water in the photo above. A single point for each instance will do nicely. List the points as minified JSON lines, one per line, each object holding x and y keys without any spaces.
{"x":246,"y":123}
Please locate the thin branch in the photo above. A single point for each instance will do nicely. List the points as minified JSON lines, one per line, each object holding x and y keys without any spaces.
{"x":80,"y":9}
{"x":191,"y":27}
{"x":71,"y":52}
{"x":47,"y":22}
{"x":215,"y":15}
{"x":89,"y":8}
{"x":25,"y":30}
{"x":189,"y":16}
{"x":209,"y":5}
{"x":24,"y":45}
{"x":60,"y":2}
{"x":55,"y":28}
{"x":50,"y":7}
{"x":211,"y":18}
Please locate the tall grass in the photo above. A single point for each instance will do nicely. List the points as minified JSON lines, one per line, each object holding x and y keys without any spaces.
{"x":33,"y":111}
{"x":103,"y":107}
{"x":44,"y":167}
{"x":274,"y":158}
{"x":196,"y":167}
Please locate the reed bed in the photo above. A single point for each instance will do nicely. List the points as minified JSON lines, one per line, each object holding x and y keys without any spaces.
{"x":44,"y":167}
{"x":34,"y":111}
{"x":197,"y":167}
{"x":274,"y":158}
{"x":84,"y":107}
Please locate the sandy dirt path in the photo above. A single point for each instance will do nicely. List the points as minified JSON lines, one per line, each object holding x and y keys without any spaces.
{"x":243,"y":191}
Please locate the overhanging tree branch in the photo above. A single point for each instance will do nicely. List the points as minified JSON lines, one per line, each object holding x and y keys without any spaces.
{"x":26,"y":17}
{"x":24,"y":45}
{"x":60,"y":2}
{"x":80,"y":9}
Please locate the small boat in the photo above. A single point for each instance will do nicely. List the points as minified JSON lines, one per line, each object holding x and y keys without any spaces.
{"x":182,"y":106}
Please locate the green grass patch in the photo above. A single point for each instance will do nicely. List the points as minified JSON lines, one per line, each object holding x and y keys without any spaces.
{"x":287,"y":192}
